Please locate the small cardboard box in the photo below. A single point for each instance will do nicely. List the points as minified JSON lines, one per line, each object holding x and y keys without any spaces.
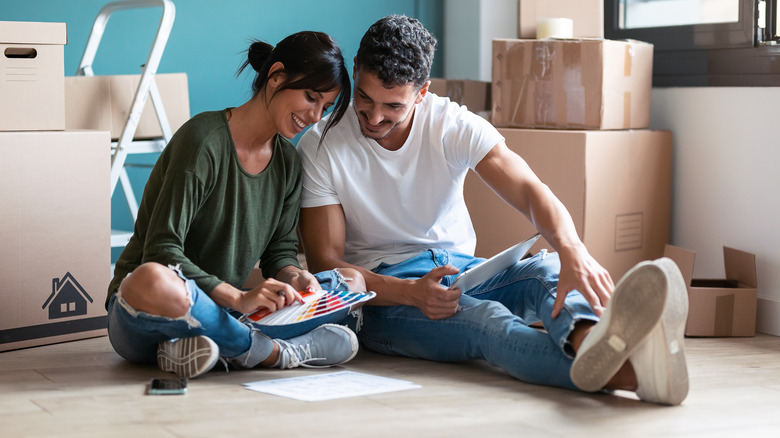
{"x":588,"y":16}
{"x":572,"y":84}
{"x":32,"y":68}
{"x":103,"y":103}
{"x":475,"y":95}
{"x":615,"y":184}
{"x":720,"y":307}
{"x":55,"y":230}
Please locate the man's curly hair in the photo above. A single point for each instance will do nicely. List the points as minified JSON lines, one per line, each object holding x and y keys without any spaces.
{"x":398,"y":49}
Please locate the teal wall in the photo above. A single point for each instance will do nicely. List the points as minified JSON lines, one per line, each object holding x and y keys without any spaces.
{"x":207,"y":43}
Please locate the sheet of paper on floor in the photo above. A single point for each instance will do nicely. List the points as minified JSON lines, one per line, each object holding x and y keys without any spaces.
{"x":319,"y":387}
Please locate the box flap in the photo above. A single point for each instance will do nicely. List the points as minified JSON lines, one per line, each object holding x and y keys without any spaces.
{"x":740,"y":266}
{"x":684,"y":259}
{"x":25,"y":32}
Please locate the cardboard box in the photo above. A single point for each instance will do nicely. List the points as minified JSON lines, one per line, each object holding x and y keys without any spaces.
{"x":55,"y":226}
{"x":615,"y":184}
{"x":572,"y":84}
{"x":103,"y":103}
{"x":475,"y":95}
{"x":31,"y":70}
{"x":588,"y":16}
{"x":720,"y":307}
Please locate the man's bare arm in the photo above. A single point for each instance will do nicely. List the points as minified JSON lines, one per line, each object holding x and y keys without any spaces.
{"x":514,"y":181}
{"x":323,"y":231}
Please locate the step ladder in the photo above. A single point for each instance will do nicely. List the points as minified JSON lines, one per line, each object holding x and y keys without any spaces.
{"x":147,"y":88}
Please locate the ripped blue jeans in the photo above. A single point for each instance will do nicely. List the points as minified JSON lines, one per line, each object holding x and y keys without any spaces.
{"x":135,"y":335}
{"x":492,"y":322}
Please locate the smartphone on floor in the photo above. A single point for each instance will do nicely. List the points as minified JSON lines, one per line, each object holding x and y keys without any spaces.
{"x":168,"y":386}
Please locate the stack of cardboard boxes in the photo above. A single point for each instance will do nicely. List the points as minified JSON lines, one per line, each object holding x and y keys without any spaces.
{"x":578,"y":111}
{"x":54,"y":198}
{"x":55,"y":156}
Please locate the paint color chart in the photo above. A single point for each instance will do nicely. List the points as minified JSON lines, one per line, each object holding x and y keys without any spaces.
{"x":315,"y":304}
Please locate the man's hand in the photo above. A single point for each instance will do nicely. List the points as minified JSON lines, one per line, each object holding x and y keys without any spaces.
{"x":434,"y":300}
{"x":581,"y":272}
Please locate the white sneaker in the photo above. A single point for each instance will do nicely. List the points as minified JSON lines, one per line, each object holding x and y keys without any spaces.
{"x":325,"y":346}
{"x":631,"y":314}
{"x":659,"y":361}
{"x":187,"y":357}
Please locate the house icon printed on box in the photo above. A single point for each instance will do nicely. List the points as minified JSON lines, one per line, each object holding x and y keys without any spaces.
{"x":67,"y":298}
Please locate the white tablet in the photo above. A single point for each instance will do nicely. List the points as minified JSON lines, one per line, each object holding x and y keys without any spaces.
{"x":475,"y":276}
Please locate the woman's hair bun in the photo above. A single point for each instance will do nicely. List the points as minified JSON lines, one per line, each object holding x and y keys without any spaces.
{"x":258,"y":54}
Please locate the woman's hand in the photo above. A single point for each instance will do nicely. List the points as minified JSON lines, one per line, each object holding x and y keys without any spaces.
{"x":271,"y":294}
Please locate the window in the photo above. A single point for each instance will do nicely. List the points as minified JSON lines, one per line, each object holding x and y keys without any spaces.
{"x":703,"y":42}
{"x":659,"y":13}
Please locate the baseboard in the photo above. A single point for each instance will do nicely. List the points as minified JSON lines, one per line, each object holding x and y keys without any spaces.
{"x":768,"y":316}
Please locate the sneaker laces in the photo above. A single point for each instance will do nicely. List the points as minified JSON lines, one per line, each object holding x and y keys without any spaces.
{"x":297,"y":355}
{"x":358,"y":315}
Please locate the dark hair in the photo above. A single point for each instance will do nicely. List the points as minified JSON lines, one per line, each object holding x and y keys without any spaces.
{"x":398,"y":49}
{"x":312,"y":60}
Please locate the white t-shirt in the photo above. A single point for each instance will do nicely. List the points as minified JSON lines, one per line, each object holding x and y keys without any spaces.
{"x":398,"y":203}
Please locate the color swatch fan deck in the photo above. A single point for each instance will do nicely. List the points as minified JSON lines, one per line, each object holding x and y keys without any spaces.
{"x":318,"y":307}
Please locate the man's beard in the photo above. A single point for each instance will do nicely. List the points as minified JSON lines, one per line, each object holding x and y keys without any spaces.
{"x":366,"y":134}
{"x":374,"y":137}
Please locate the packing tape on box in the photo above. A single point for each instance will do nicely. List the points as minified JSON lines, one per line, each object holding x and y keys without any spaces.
{"x":544,"y":84}
{"x":543,"y":102}
{"x":629,"y":60}
{"x":559,"y":93}
{"x":555,"y":28}
{"x":550,"y":90}
{"x":517,"y":71}
{"x":573,"y":84}
{"x":628,"y":64}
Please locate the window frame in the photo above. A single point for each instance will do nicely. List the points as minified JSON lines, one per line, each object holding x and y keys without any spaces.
{"x":710,"y":54}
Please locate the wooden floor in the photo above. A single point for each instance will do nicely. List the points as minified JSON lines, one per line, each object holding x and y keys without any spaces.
{"x":83,"y":388}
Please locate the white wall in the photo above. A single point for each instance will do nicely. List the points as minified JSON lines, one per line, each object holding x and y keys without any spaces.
{"x":727,"y":180}
{"x":469,"y":29}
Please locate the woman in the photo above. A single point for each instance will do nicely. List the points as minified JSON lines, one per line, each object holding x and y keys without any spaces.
{"x":223,"y":195}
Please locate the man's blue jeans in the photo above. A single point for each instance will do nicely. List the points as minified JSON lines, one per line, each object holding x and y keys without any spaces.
{"x":135,"y":335}
{"x":492,"y":322}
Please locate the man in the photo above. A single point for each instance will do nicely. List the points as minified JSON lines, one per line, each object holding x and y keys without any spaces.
{"x":383,"y":194}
